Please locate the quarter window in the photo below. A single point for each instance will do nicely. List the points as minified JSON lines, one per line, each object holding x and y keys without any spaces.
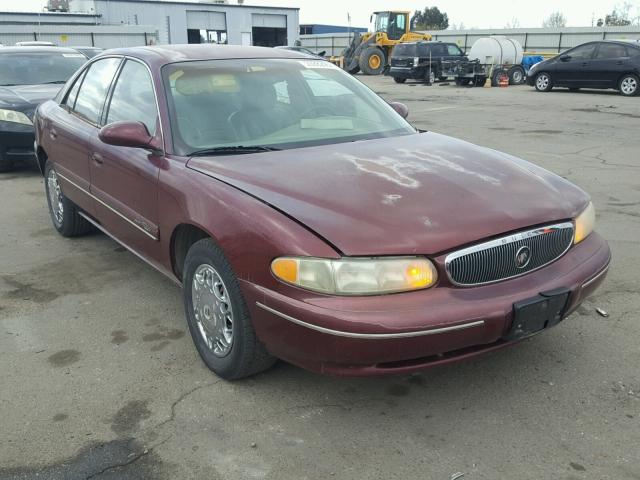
{"x":133,"y":97}
{"x":454,"y":50}
{"x":93,"y":90}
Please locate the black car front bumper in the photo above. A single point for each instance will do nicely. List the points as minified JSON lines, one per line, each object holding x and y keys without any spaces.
{"x":16,"y":143}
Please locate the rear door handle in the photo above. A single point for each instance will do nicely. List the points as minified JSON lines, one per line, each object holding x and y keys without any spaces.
{"x":97,"y":158}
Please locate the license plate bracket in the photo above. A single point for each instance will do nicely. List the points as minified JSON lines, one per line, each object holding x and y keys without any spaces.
{"x":537,"y":313}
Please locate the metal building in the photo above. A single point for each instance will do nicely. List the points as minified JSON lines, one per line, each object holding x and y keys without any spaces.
{"x":203,"y":22}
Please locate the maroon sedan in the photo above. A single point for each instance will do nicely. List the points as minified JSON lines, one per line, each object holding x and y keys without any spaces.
{"x":305,"y":218}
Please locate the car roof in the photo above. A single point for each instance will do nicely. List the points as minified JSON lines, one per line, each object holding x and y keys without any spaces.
{"x":37,"y":49}
{"x":164,"y":54}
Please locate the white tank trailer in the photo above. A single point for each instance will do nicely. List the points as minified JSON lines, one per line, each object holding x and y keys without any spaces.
{"x":500,"y":55}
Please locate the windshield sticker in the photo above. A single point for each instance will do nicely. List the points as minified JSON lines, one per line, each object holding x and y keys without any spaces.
{"x":73,"y":55}
{"x":317,"y":64}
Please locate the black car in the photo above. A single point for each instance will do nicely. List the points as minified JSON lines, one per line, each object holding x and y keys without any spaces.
{"x":604,"y":64}
{"x":28,"y":77}
{"x":422,"y":60}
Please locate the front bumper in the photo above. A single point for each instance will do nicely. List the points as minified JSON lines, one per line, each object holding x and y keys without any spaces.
{"x":16,"y":143}
{"x":407,"y":332}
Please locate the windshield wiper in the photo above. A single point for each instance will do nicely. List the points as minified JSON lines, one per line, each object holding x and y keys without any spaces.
{"x":57,"y":82}
{"x":233,"y":150}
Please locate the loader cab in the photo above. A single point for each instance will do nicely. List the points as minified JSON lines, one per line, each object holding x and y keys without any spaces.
{"x":394,"y":24}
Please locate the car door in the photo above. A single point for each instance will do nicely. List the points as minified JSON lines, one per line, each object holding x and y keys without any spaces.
{"x":610,"y":62}
{"x":571,"y":68}
{"x":73,"y":127}
{"x":124,"y":180}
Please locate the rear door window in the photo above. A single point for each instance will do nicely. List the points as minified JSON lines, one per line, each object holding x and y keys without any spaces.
{"x":611,"y":50}
{"x":94,"y":88}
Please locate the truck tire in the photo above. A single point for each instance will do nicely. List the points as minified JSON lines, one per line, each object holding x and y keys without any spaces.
{"x":495,"y":77}
{"x":399,"y":79}
{"x":462,"y":82}
{"x":480,"y":80}
{"x":354,"y":70}
{"x":372,"y":61}
{"x":516,"y":75}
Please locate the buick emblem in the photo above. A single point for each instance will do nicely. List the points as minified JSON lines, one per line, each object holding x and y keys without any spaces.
{"x":523,"y":256}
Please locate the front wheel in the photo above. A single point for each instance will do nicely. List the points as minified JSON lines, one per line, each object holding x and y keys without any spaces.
{"x":543,"y":82}
{"x":399,"y":79}
{"x":217,"y":315}
{"x":629,"y":85}
{"x":63,"y":212}
{"x":372,"y":61}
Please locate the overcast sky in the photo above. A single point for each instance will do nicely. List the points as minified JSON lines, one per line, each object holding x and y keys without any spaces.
{"x":472,"y":13}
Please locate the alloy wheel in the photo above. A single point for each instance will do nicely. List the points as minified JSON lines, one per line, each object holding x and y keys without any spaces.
{"x":629,"y":85}
{"x":542,"y":82}
{"x":212,"y":309}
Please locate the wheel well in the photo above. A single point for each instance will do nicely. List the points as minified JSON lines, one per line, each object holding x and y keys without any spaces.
{"x":184,"y":236}
{"x":41,"y":156}
{"x":624,"y":75}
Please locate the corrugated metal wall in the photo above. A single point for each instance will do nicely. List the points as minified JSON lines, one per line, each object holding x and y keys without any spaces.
{"x":539,"y":40}
{"x":75,"y":35}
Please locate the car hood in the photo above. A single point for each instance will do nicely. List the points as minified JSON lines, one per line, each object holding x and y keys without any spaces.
{"x":26,"y":98}
{"x":424,"y":193}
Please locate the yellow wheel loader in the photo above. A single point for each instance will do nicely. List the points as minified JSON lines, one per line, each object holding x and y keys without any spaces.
{"x":369,"y":53}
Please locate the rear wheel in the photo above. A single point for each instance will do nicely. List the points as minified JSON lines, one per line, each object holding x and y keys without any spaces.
{"x":217,"y":315}
{"x":495,"y":77}
{"x":629,"y":85}
{"x":372,"y":61}
{"x":5,"y":166}
{"x":543,"y":82}
{"x":63,"y":212}
{"x":399,"y":80}
{"x":516,"y":75}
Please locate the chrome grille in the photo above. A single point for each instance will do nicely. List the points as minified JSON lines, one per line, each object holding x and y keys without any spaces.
{"x":496,"y":260}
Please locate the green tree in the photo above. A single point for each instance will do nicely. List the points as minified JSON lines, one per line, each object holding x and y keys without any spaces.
{"x":430,"y":19}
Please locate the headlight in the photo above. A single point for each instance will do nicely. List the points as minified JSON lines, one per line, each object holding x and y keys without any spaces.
{"x":356,"y":276}
{"x":14,"y":117}
{"x":584,"y":223}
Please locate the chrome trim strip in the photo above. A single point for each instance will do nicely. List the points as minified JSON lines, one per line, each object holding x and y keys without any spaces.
{"x":103,"y":230}
{"x":596,"y":277}
{"x":504,"y":241}
{"x":131,"y":222}
{"x":372,"y":336}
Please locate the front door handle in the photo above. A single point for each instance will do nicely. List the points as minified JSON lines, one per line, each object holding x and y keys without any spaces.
{"x":97,"y":158}
{"x":53,"y":133}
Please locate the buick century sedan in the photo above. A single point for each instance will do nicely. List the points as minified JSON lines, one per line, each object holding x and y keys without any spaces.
{"x":305,"y":218}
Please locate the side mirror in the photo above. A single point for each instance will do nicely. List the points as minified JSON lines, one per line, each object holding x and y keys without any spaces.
{"x":322,"y":53}
{"x":129,"y":134}
{"x":400,"y":108}
{"x":565,"y":58}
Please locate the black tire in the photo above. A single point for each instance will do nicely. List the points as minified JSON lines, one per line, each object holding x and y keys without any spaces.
{"x":516,"y":75}
{"x":246,"y":355}
{"x":442,"y":79}
{"x":6,"y":166}
{"x":495,"y":77}
{"x":399,"y":79}
{"x":541,"y":84}
{"x":354,"y":70}
{"x":368,"y":65}
{"x":629,"y":85}
{"x":64,"y":216}
{"x":463,"y":82}
{"x":479,"y":81}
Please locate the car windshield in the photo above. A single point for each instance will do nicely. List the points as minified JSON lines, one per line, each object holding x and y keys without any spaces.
{"x":31,"y":68}
{"x":277,"y":103}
